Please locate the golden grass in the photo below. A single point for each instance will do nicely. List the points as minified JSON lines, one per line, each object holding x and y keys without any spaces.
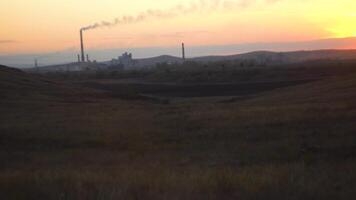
{"x":280,"y":145}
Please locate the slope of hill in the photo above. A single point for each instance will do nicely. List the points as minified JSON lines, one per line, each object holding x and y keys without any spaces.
{"x":328,"y":91}
{"x":70,"y":67}
{"x":290,"y":143}
{"x":16,"y":84}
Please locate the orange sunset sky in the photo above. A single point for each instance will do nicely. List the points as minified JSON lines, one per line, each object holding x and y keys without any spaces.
{"x":34,"y":26}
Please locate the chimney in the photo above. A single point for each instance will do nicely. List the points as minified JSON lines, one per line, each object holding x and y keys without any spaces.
{"x":183,"y":52}
{"x":88,"y":58}
{"x":82,"y":45}
{"x":78,"y":58}
{"x":36,"y":63}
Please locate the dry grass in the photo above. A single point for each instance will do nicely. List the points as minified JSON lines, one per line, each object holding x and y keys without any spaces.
{"x":284,"y":144}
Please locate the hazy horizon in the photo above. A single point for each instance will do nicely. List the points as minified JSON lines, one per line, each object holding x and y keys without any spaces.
{"x":70,"y":55}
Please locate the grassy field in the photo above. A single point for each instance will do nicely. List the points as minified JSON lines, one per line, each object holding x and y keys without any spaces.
{"x":296,"y":142}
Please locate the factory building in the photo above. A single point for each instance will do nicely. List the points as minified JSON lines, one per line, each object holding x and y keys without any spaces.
{"x":123,"y":61}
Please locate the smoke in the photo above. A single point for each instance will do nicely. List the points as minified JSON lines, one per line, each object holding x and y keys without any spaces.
{"x":7,"y":41}
{"x":178,"y":10}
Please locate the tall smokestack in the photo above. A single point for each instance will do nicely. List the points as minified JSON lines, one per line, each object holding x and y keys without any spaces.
{"x":78,"y":58}
{"x":88,"y":58}
{"x":183,"y":52}
{"x":82,"y":45}
{"x":36,"y":63}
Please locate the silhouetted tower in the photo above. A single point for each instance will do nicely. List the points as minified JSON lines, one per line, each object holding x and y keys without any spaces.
{"x":82,"y":45}
{"x":36,"y":63}
{"x":78,"y":58}
{"x":183,"y":52}
{"x":88,"y":58}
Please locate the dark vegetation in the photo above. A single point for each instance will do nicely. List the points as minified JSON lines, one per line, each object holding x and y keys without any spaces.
{"x":218,"y":72}
{"x":77,"y":136}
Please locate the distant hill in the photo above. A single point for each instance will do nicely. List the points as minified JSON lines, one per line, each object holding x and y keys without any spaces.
{"x":146,"y":62}
{"x":284,"y":57}
{"x":266,"y":57}
{"x":261,"y":56}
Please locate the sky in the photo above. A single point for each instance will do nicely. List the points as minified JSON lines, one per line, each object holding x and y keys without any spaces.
{"x":47,"y":26}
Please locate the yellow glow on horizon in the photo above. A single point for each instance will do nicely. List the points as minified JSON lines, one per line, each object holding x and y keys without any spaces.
{"x":345,"y":28}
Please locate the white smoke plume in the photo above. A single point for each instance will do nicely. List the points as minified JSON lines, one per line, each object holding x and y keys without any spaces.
{"x":178,"y":10}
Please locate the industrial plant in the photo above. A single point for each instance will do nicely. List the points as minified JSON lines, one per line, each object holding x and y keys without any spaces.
{"x":124,"y":61}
